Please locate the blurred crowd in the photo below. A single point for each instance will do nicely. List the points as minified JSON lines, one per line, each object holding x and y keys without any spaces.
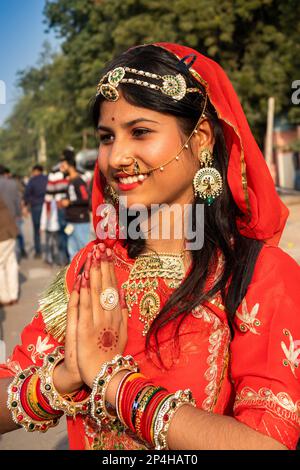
{"x":59,"y":205}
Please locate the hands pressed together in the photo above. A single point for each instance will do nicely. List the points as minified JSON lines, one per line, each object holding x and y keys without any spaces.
{"x":94,"y":335}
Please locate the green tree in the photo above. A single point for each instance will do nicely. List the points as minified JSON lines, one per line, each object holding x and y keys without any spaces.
{"x":256,"y":42}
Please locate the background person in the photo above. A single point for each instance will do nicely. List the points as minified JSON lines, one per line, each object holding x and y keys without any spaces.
{"x":34,"y":198}
{"x":56,"y":190}
{"x":76,"y":205}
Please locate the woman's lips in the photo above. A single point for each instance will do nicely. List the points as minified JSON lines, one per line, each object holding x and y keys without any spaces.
{"x":129,"y":186}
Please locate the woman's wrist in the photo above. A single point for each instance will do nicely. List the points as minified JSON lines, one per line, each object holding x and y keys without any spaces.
{"x":112,"y":388}
{"x":63,"y":382}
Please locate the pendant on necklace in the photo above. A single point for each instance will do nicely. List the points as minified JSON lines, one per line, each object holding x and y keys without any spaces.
{"x":143,"y":279}
{"x":149,"y":307}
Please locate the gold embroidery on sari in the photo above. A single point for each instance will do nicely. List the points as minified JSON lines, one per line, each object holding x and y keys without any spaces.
{"x":220,"y":335}
{"x":292,"y":354}
{"x":110,"y":437}
{"x":280,"y":405}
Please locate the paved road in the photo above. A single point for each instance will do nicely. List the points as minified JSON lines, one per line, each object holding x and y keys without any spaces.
{"x":35,"y":276}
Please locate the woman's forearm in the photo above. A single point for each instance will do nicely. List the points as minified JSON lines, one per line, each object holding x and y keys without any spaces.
{"x":6,"y":422}
{"x":192,"y":428}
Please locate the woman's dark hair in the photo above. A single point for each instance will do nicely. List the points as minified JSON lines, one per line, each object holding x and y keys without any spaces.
{"x":221,"y":235}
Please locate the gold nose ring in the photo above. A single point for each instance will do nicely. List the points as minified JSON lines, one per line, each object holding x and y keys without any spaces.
{"x":136,"y":168}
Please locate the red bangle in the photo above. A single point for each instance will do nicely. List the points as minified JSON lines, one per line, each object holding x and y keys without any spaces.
{"x":138,"y":386}
{"x":144,"y":418}
{"x":82,"y":394}
{"x":151,"y":409}
{"x":24,"y":402}
{"x":123,"y":404}
{"x":129,"y":397}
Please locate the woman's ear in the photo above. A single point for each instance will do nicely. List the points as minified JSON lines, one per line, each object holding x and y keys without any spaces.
{"x":204,"y":138}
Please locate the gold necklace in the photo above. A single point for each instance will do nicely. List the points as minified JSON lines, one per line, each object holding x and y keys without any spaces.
{"x":143,"y":278}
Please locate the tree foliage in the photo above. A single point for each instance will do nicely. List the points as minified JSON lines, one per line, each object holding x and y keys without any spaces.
{"x":255,"y":41}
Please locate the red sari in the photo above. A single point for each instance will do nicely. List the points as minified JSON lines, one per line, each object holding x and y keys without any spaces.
{"x":255,"y":376}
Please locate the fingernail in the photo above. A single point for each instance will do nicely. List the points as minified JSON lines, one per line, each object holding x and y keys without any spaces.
{"x":96,"y":261}
{"x":108,"y":252}
{"x":84,"y":282}
{"x":97,"y":254}
{"x":102,"y":247}
{"x":86,"y":275}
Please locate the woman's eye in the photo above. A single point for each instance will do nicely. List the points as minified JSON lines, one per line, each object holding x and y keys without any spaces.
{"x":105,"y":138}
{"x":139,"y":132}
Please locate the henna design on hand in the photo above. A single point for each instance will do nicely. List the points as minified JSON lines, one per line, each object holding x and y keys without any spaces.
{"x":107,"y":339}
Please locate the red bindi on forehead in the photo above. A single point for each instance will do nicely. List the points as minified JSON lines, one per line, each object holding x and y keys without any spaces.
{"x":112,"y":118}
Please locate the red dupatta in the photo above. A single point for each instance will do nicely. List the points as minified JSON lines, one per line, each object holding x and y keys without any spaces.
{"x":264,"y":215}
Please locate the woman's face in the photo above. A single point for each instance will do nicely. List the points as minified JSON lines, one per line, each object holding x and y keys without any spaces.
{"x":152,"y":138}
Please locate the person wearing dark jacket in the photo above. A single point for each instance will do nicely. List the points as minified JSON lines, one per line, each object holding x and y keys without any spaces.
{"x":76,"y":206}
{"x":34,"y":198}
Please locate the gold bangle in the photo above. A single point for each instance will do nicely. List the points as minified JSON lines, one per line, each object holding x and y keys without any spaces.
{"x":57,"y":401}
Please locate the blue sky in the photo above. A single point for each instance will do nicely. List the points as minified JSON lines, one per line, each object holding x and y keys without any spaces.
{"x":22,"y":33}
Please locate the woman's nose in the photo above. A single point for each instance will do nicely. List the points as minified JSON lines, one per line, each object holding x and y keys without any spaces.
{"x":118,"y":159}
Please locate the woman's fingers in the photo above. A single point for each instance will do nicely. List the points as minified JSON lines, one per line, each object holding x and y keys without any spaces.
{"x":72,"y":310}
{"x":96,"y":285}
{"x":85,"y":320}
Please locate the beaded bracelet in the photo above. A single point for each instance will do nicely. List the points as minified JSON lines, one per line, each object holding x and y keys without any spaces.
{"x":101,"y":382}
{"x":165,"y":414}
{"x":57,"y":401}
{"x":21,"y":413}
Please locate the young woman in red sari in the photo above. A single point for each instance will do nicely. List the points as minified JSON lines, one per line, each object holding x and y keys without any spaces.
{"x":144,"y":342}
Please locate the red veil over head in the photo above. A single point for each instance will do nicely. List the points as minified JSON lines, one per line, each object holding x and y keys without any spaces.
{"x":253,"y":190}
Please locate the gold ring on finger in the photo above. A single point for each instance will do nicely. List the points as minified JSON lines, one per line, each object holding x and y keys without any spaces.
{"x":109,"y":298}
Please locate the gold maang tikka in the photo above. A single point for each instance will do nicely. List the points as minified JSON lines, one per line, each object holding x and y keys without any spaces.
{"x":207,"y":181}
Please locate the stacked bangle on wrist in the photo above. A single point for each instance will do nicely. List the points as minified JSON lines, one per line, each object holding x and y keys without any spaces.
{"x":166,"y":411}
{"x":71,"y":404}
{"x":131,"y":389}
{"x":101,"y":382}
{"x":148,"y":414}
{"x":23,"y":401}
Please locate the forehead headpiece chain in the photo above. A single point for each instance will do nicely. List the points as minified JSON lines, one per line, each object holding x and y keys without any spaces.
{"x":171,"y":85}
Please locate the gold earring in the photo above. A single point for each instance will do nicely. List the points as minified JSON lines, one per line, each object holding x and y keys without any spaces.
{"x":207,"y":181}
{"x":111,"y":195}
